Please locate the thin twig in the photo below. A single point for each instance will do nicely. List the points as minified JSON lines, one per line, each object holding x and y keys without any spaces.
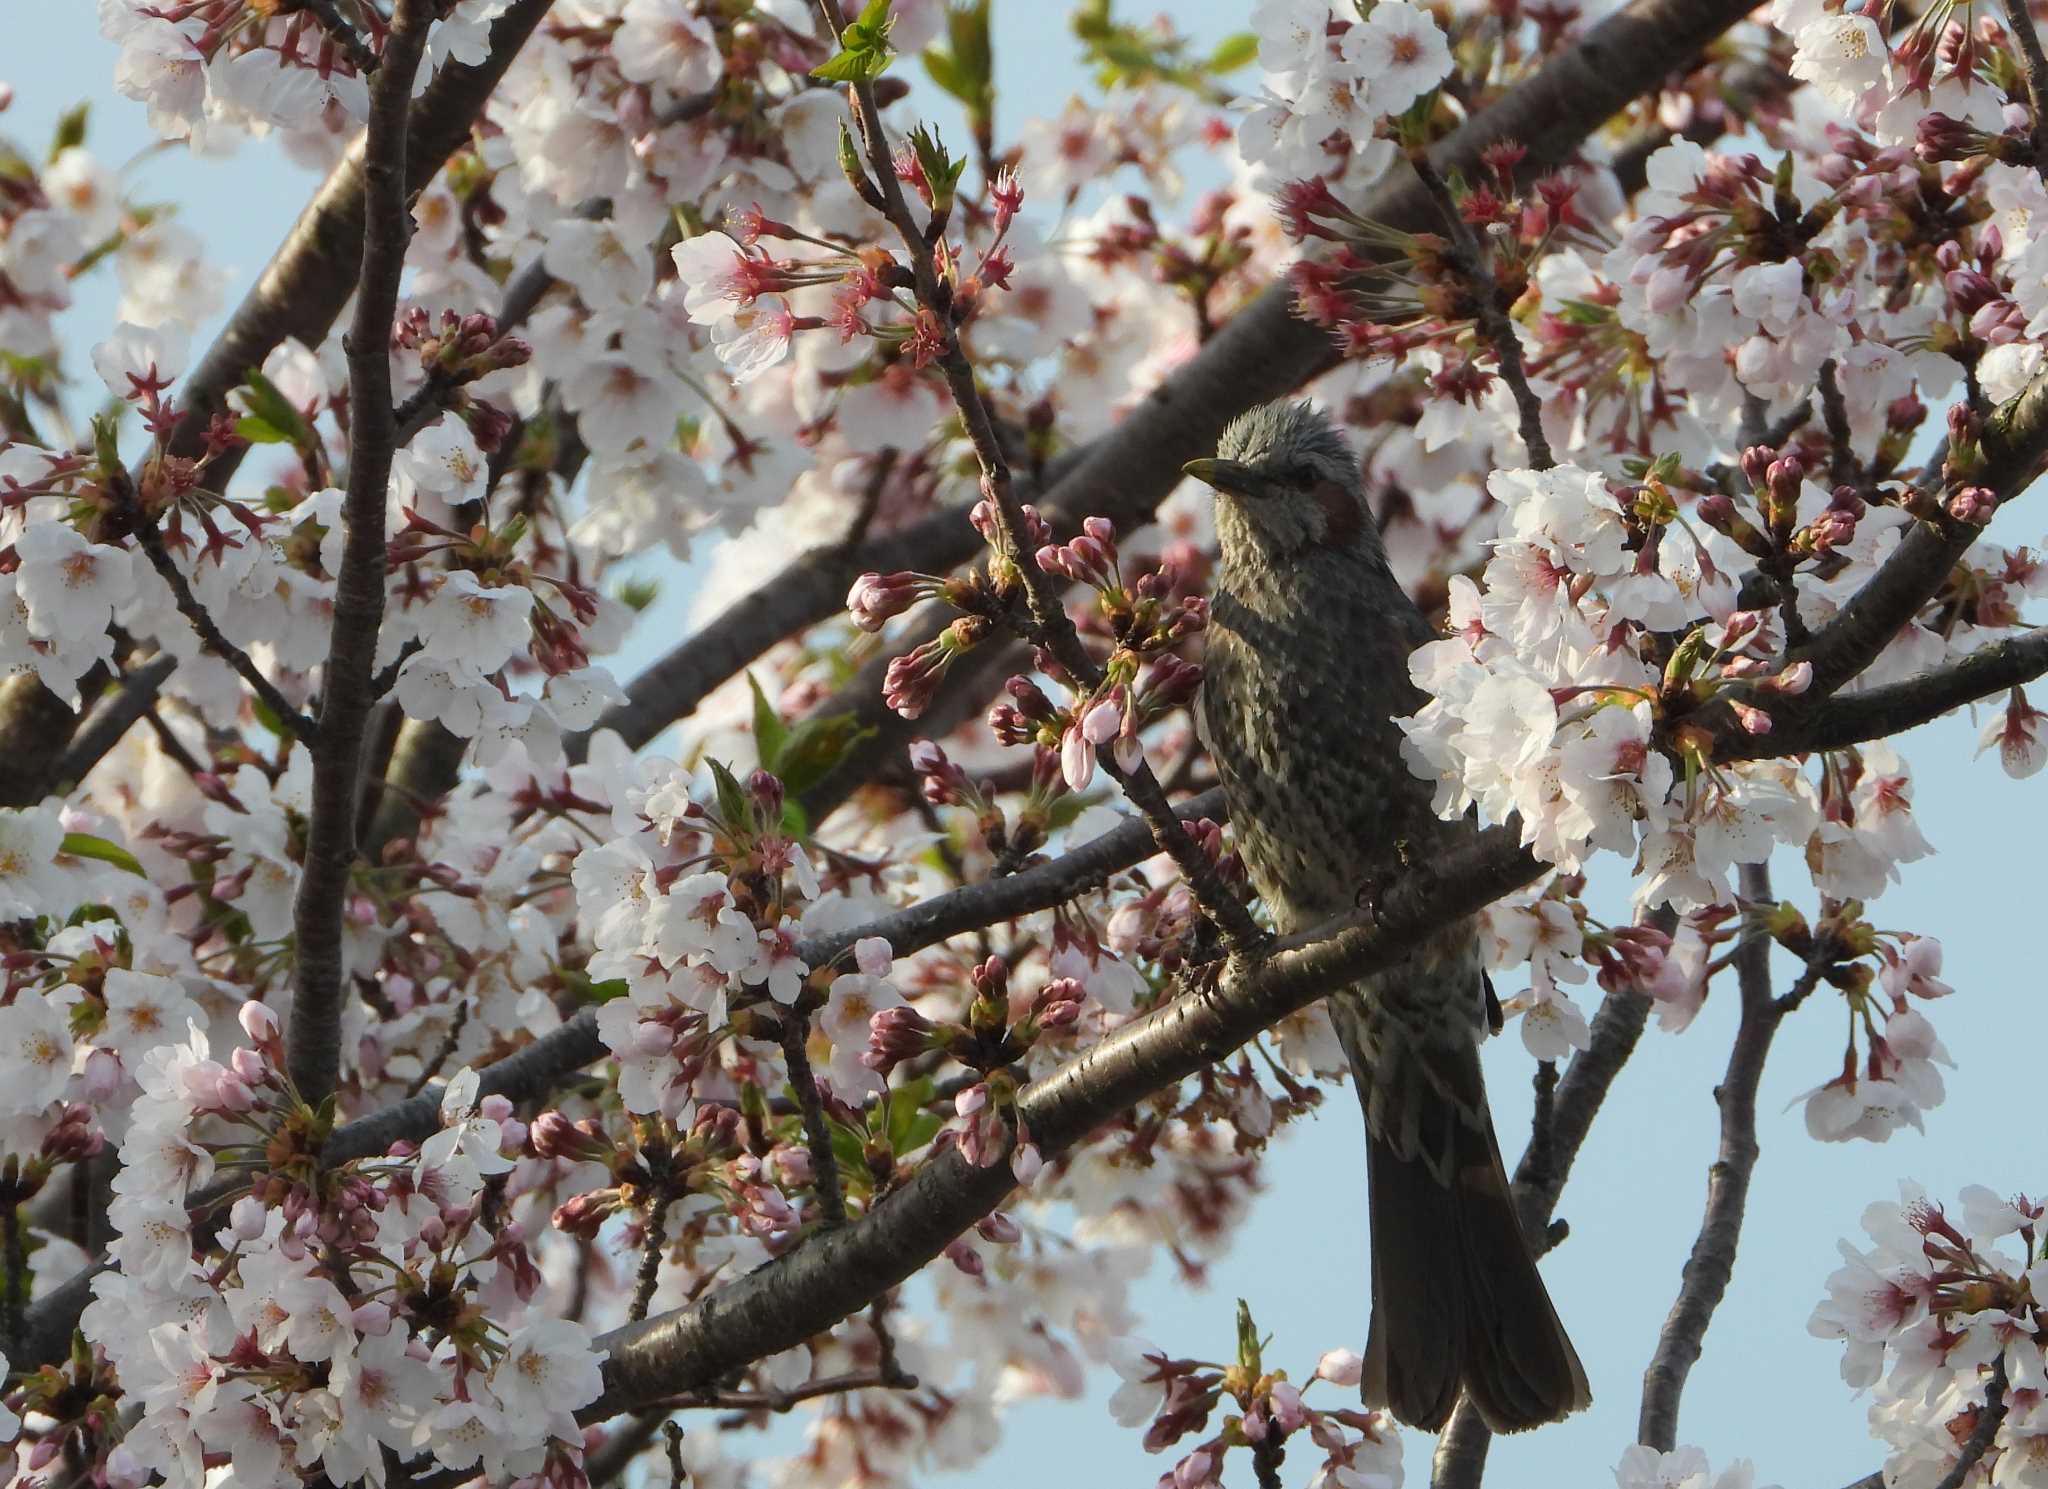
{"x":888,"y":1367}
{"x":2020,"y":14}
{"x":616,"y":1453}
{"x":1053,"y":628}
{"x":151,"y":537}
{"x":315,"y":1041}
{"x":1842,"y":469}
{"x":1989,"y":1418}
{"x":345,"y":36}
{"x":1712,"y":1262}
{"x":780,"y":1401}
{"x":1491,"y":315}
{"x":656,"y":1246}
{"x":14,"y":1286}
{"x":444,"y":1053}
{"x":695,"y":106}
{"x":796,"y":1032}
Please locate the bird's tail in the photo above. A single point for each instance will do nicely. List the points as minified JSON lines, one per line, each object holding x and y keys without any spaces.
{"x":1456,"y":1297}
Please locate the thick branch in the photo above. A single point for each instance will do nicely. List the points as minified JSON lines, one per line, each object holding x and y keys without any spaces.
{"x":534,"y":1072}
{"x":1877,"y":713}
{"x":2015,"y":440}
{"x":1712,"y":1263}
{"x":346,"y":691}
{"x":131,"y":698}
{"x":835,"y":1274}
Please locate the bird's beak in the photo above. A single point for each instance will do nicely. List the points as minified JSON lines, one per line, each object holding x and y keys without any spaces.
{"x":1225,"y":475}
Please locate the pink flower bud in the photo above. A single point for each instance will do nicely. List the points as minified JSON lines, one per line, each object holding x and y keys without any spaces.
{"x":246,"y":1218}
{"x":999,"y":1228}
{"x":1794,"y":680}
{"x":1340,"y":1367}
{"x":1026,"y":1162}
{"x":653,"y":1039}
{"x":257,"y":1020}
{"x":1287,"y":1408}
{"x":1101,"y":722}
{"x":102,"y":1076}
{"x":1753,"y":720}
{"x":1077,"y":760}
{"x":971,"y":1100}
{"x":1973,"y":504}
{"x":872,"y":955}
{"x":251,"y":1068}
{"x":372,"y":1319}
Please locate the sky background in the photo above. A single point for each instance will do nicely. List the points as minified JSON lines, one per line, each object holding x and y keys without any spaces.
{"x":1765,"y":1389}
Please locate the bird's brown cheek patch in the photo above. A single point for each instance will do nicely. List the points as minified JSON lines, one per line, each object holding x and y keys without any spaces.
{"x":1343,"y":514}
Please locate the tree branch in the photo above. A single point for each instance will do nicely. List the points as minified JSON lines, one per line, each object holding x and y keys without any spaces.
{"x":2015,"y":440}
{"x":834,"y":1274}
{"x":796,"y":1031}
{"x":1491,"y":315}
{"x":1712,"y":1263}
{"x":533,"y":1073}
{"x":151,"y":538}
{"x":1878,"y":713}
{"x":346,"y":691}
{"x":132,"y":698}
{"x":2020,"y":17}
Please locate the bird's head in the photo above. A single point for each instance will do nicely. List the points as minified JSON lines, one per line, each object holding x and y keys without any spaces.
{"x":1286,"y":480}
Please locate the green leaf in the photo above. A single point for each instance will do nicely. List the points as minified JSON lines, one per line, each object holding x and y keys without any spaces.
{"x":732,"y":801}
{"x":848,"y":1147}
{"x":1233,"y":52}
{"x":769,"y":730}
{"x":274,"y":412}
{"x":965,"y":67}
{"x":70,"y":129}
{"x":814,"y":747}
{"x":260,"y":431}
{"x":85,"y":845}
{"x":908,"y":1125}
{"x":267,"y":717}
{"x":941,"y":171}
{"x":864,"y":54}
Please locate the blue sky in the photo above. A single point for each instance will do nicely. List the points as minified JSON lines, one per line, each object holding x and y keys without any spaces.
{"x":1765,"y":1389}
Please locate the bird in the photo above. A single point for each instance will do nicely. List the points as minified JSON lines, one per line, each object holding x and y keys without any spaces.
{"x":1305,"y":673}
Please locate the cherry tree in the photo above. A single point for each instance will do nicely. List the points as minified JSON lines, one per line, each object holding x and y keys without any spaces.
{"x":429,"y":1056}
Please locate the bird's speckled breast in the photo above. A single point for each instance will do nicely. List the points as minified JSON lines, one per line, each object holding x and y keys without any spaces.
{"x":1306,"y":669}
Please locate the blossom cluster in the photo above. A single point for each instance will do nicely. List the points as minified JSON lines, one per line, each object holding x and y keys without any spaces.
{"x":1939,"y":1318}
